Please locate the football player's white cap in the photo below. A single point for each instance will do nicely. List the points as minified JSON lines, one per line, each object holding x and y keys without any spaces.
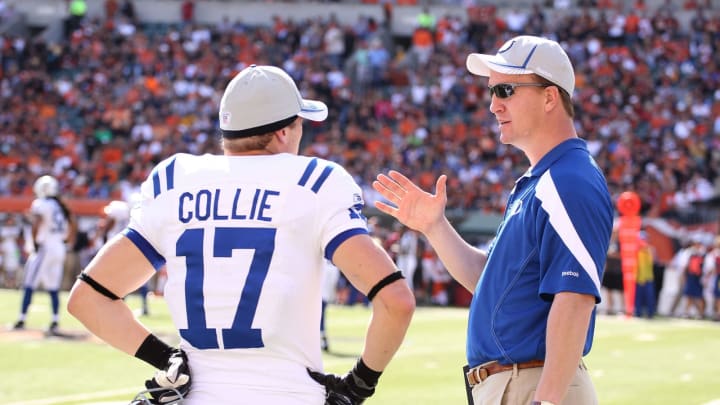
{"x":263,"y":99}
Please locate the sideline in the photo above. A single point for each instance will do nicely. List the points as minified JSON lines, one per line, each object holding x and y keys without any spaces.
{"x":84,"y":397}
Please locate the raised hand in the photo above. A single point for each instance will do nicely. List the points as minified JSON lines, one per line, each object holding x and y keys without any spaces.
{"x":412,"y":206}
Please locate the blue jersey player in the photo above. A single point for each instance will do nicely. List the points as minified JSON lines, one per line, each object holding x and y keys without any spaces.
{"x":244,"y":236}
{"x":534,"y":290}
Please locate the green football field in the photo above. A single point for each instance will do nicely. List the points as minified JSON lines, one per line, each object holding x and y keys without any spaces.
{"x":633,"y":361}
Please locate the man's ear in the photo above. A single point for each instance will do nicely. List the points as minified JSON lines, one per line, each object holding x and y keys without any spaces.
{"x":552,"y":98}
{"x":281,"y":135}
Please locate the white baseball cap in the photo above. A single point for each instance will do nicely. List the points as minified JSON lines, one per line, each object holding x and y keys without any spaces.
{"x":262,"y":99}
{"x":527,"y":54}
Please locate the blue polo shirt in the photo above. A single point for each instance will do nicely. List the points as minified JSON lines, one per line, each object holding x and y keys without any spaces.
{"x":554,"y":238}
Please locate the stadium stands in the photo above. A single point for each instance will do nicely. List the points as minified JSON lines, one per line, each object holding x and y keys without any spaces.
{"x":646,"y":97}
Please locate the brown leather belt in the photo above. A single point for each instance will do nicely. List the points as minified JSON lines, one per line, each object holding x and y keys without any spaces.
{"x":480,"y":373}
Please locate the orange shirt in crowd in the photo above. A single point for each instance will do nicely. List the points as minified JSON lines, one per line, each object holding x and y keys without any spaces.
{"x":407,"y":126}
{"x":422,"y":38}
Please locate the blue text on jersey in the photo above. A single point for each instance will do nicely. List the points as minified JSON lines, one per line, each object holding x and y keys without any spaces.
{"x":206,"y":205}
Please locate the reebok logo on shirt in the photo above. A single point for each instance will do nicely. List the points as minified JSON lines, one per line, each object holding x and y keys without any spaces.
{"x":570,"y":274}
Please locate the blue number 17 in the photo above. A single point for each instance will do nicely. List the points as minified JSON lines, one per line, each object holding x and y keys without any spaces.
{"x":241,"y":334}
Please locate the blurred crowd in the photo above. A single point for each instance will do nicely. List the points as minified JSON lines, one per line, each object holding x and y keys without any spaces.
{"x":101,"y":107}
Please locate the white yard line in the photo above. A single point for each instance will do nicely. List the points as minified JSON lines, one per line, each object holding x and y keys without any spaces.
{"x":82,"y":397}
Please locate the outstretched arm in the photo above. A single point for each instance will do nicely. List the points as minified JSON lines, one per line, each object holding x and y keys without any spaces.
{"x":425,"y":213}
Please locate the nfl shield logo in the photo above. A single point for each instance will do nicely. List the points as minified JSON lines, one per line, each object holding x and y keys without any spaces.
{"x":225,"y":117}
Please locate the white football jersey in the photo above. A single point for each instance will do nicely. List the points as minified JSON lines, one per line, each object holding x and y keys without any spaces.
{"x":244,"y":239}
{"x":53,"y":227}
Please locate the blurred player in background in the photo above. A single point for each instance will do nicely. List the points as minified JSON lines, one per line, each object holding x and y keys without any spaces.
{"x":331,"y":276}
{"x":243,"y":236}
{"x":117,"y":218}
{"x":52,"y":231}
{"x":10,"y":252}
{"x":407,"y":258}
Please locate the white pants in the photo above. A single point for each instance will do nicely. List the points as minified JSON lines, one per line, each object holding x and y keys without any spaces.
{"x":671,"y":291}
{"x":407,"y":265}
{"x":45,"y":267}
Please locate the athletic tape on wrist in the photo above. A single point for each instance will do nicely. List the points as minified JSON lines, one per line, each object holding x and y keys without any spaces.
{"x":369,"y":376}
{"x":384,"y":282}
{"x":154,"y":352}
{"x":97,"y":286}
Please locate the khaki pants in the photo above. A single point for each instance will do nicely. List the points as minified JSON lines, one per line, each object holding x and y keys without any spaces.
{"x":517,"y":387}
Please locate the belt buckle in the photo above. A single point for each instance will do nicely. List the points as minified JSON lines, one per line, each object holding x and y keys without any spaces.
{"x":482,"y":374}
{"x":479,"y":374}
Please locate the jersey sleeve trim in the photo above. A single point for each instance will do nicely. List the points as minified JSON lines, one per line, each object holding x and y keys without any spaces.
{"x":340,"y":238}
{"x":153,"y":256}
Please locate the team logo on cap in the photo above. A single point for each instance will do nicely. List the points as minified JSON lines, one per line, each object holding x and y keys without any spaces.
{"x":225,"y":117}
{"x":507,"y":48}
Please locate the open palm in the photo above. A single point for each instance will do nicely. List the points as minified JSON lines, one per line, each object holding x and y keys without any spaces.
{"x":412,"y":206}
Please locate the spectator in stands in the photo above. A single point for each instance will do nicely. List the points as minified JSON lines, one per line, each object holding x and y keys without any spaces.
{"x":426,"y":19}
{"x":187,"y":12}
{"x":127,"y":9}
{"x":76,"y":10}
{"x":111,"y":9}
{"x":516,"y":21}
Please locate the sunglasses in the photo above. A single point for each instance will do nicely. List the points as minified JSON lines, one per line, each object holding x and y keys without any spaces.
{"x":505,"y":90}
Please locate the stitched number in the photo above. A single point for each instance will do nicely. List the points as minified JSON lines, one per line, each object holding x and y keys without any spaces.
{"x":241,"y":334}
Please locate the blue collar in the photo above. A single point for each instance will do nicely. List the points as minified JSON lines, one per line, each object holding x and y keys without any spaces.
{"x":554,"y":154}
